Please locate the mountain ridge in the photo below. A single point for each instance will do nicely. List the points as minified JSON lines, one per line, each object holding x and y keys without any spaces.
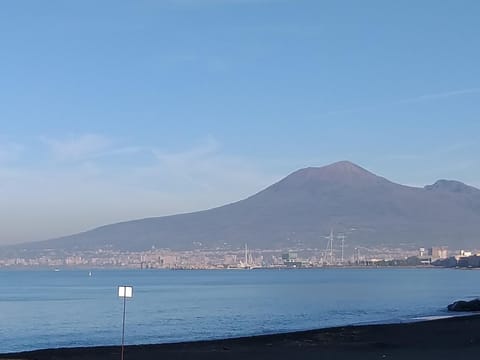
{"x":302,"y":207}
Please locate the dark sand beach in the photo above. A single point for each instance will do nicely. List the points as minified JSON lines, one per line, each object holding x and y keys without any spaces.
{"x":457,"y":337}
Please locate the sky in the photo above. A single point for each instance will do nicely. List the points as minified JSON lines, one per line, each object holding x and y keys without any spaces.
{"x":117,"y":110}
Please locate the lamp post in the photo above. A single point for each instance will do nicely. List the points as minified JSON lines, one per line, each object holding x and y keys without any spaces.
{"x":124,"y":292}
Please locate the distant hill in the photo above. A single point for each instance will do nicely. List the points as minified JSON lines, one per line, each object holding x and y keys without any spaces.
{"x":302,"y":208}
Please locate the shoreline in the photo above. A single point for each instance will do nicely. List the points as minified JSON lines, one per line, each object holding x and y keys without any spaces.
{"x":354,"y":267}
{"x":454,"y":336}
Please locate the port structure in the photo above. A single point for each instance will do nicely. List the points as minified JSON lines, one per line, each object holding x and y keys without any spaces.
{"x":328,"y":257}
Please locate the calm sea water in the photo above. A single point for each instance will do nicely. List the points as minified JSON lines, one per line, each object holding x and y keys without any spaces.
{"x":43,"y":309}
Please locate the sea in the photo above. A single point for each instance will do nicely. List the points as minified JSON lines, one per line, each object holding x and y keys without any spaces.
{"x":70,"y":308}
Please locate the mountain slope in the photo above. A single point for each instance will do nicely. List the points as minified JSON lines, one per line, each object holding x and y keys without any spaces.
{"x":300,"y":209}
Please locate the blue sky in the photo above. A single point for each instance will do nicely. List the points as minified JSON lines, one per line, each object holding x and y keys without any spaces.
{"x":116,"y":110}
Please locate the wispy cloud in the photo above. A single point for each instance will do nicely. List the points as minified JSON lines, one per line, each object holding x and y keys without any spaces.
{"x":74,"y":148}
{"x":205,"y":169}
{"x":204,"y":150}
{"x":9,"y":151}
{"x":404,"y":157}
{"x":440,"y":95}
{"x":458,"y":148}
{"x":411,"y":100}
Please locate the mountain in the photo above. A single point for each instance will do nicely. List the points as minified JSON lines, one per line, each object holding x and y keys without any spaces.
{"x":300,"y":210}
{"x":453,"y":186}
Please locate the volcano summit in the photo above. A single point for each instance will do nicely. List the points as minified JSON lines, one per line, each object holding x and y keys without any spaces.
{"x":300,"y":209}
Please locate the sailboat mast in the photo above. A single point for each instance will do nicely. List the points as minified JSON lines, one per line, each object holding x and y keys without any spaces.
{"x":246,"y":255}
{"x":343,"y":245}
{"x":331,"y":247}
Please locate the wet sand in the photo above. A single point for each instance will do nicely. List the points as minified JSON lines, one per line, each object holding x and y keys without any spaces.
{"x":457,"y":337}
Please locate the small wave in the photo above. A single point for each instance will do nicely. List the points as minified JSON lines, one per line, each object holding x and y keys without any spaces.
{"x":434,"y":317}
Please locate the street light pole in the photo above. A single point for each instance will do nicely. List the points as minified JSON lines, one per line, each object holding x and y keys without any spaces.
{"x":123,"y":325}
{"x":124,"y":292}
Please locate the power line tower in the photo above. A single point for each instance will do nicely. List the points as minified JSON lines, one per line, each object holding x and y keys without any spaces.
{"x":329,"y":249}
{"x":342,"y":238}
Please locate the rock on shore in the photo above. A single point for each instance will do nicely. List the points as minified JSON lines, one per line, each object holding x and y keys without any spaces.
{"x":473,"y":305}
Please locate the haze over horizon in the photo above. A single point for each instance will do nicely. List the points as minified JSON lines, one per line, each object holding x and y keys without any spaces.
{"x":133,"y":109}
